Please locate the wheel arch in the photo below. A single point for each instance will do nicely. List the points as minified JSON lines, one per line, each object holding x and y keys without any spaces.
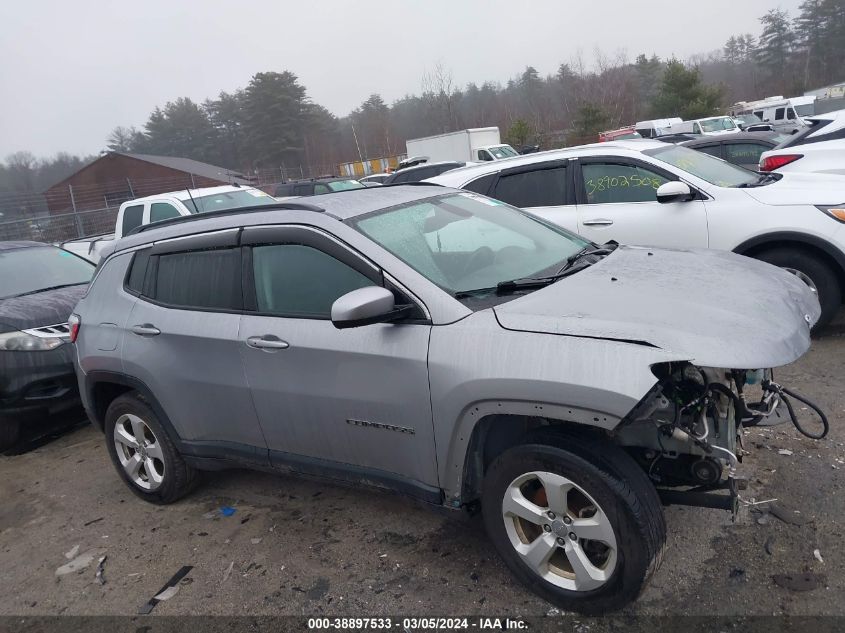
{"x":488,"y":428}
{"x":793,"y":239}
{"x":103,"y":387}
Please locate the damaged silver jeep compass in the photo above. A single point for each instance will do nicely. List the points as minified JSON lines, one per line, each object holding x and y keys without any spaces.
{"x":452,"y":348}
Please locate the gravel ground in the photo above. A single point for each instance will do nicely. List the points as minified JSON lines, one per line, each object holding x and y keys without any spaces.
{"x":296,"y":547}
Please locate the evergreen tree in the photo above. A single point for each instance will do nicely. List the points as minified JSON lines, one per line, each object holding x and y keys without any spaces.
{"x":274,"y":108}
{"x":777,"y":42}
{"x":682,"y":94}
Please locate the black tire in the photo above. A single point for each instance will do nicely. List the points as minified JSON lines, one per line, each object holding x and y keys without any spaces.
{"x":619,"y":486}
{"x":179,"y":478}
{"x":10,"y":431}
{"x":823,"y":276}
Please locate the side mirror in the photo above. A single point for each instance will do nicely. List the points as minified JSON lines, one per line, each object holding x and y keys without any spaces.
{"x":674,"y":191}
{"x":365,"y":306}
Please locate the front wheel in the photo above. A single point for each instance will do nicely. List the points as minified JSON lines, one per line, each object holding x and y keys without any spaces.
{"x":815,"y":273}
{"x":576,"y":521}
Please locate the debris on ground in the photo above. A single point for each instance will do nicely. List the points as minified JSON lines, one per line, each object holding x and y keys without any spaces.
{"x":769,"y":545}
{"x":737,"y":575}
{"x":228,"y":571}
{"x":167,"y":591}
{"x":818,"y":555}
{"x":784,"y":451}
{"x":804,"y":581}
{"x":228,"y":511}
{"x":73,"y":552}
{"x":786,"y":515}
{"x":80,"y":562}
{"x":92,"y":521}
{"x":100,"y":570}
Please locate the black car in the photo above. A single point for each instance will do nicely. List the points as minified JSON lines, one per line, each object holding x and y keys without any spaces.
{"x":39,"y":286}
{"x":741,"y":148}
{"x":421,"y":172}
{"x":315,"y":187}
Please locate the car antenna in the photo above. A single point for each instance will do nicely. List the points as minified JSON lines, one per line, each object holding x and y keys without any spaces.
{"x":194,"y":202}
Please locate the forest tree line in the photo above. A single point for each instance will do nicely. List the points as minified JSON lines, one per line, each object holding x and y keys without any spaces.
{"x":272,"y":123}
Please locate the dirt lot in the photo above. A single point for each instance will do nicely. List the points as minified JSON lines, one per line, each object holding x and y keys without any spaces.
{"x":300,"y":548}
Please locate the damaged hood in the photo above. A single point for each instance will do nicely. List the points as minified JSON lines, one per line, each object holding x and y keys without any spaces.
{"x":714,"y":308}
{"x":801,"y":188}
{"x":50,"y":307}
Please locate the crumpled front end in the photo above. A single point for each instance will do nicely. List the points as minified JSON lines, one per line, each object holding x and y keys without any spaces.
{"x":686,"y":432}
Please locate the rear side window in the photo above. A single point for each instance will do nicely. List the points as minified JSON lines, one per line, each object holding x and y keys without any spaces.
{"x":200,"y":279}
{"x":713,"y":150}
{"x":744,"y":153}
{"x":403,"y":176}
{"x":303,"y":190}
{"x":539,"y":188}
{"x":138,"y":271}
{"x":282,"y":190}
{"x":779,"y":114}
{"x":481,"y":185}
{"x":301,"y":281}
{"x":132,"y":218}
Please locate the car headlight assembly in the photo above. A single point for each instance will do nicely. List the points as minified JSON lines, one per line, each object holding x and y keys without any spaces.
{"x":23,"y":342}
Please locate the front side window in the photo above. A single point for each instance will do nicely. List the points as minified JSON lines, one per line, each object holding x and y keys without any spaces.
{"x":300,"y":281}
{"x":320,"y":189}
{"x":463,"y":242}
{"x":779,"y":114}
{"x":484,"y":155}
{"x":610,"y":182}
{"x":503,"y":151}
{"x":25,"y":271}
{"x":716,"y":172}
{"x":344,"y":185}
{"x":200,"y":279}
{"x":538,"y":188}
{"x":132,"y":218}
{"x":163,"y":211}
{"x":744,"y":153}
{"x":790,"y":114}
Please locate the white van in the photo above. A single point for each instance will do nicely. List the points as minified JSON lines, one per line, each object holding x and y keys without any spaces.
{"x":655,"y":127}
{"x":785,"y":115}
{"x":709,"y":126}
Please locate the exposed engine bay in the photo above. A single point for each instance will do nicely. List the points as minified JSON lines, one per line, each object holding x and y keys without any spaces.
{"x":687,"y":431}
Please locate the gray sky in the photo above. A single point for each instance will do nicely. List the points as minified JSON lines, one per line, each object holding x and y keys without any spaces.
{"x":72,"y":71}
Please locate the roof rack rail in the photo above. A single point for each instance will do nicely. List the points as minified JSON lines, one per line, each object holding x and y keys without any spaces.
{"x":281,"y":206}
{"x":416,"y":183}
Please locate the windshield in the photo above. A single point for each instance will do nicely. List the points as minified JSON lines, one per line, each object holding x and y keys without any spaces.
{"x":717,"y":125}
{"x":503,"y":151}
{"x":463,"y":242}
{"x":808,"y":109}
{"x":29,"y":270}
{"x":228,"y":200}
{"x":713,"y":170}
{"x":344,"y":185}
{"x":750,"y":119}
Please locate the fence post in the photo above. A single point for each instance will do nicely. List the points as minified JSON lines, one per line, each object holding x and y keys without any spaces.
{"x":76,"y":218}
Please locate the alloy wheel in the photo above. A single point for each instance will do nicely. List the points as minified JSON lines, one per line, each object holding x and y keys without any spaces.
{"x":559,"y":531}
{"x":139,"y":452}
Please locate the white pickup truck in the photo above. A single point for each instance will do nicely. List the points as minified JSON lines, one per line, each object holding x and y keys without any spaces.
{"x":163,"y":206}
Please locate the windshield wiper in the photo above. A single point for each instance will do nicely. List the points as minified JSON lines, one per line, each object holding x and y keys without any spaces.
{"x":573,"y":264}
{"x":35,"y":292}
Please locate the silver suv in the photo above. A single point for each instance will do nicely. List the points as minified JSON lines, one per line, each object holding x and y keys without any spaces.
{"x":449,"y":347}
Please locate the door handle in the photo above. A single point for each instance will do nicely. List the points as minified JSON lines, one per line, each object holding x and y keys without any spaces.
{"x":146,"y":329}
{"x":268,"y":342}
{"x":598,"y":222}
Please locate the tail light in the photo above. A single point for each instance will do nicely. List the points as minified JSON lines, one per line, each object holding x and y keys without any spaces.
{"x":771,"y":163}
{"x":74,"y":322}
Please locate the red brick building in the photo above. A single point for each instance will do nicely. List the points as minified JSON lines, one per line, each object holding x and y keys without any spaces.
{"x":117,"y":177}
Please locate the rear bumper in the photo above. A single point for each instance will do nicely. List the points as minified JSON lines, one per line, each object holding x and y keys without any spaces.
{"x":35,"y":385}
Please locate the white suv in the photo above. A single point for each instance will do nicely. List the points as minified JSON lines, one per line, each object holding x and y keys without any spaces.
{"x":820,"y":148}
{"x":657,"y":194}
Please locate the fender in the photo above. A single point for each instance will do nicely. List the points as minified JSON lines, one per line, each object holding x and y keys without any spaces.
{"x":793,"y":236}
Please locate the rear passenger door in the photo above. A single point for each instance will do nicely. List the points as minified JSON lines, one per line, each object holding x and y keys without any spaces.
{"x":543,"y":189}
{"x":332,"y":402}
{"x":181,"y":341}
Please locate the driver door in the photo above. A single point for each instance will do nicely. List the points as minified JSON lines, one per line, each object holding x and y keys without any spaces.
{"x":617,"y":200}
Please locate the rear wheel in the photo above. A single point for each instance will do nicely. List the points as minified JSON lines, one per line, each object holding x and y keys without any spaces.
{"x":576,"y":521}
{"x":814,"y":272}
{"x":143,"y":454}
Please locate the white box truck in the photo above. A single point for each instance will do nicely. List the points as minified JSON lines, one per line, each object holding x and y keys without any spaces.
{"x":473,"y":145}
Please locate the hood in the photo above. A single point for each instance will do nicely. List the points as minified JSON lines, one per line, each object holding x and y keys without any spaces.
{"x":714,"y":308}
{"x":43,"y":308}
{"x":801,"y":188}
